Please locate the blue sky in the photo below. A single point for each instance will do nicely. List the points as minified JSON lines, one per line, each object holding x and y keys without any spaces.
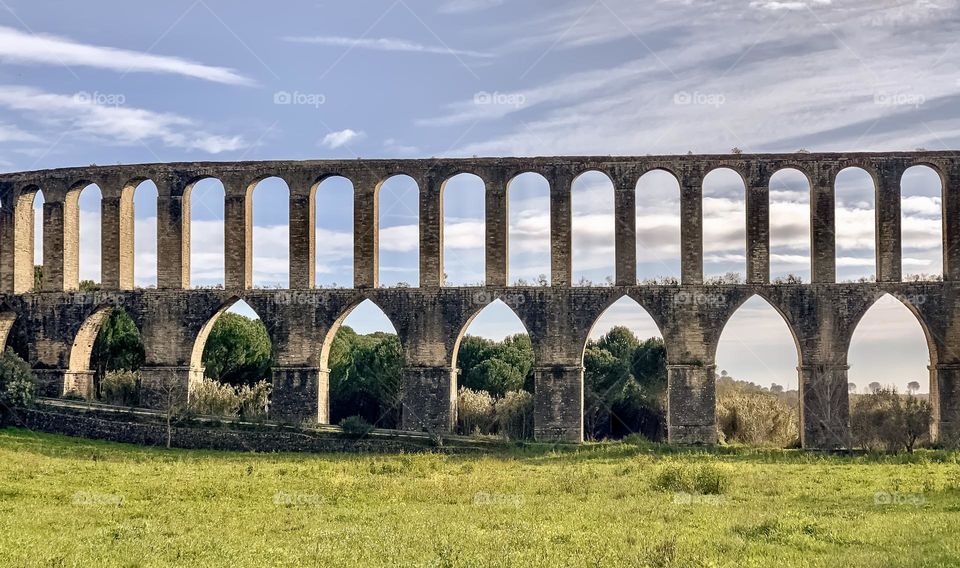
{"x":118,"y":82}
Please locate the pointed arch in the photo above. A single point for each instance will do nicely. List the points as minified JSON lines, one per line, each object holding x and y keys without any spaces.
{"x":528,"y":237}
{"x":80,"y":374}
{"x":658,"y":226}
{"x":760,"y":325}
{"x":7,"y":319}
{"x":622,"y":312}
{"x":890,"y":338}
{"x":592,"y":228}
{"x":497,"y":308}
{"x":724,"y":226}
{"x":856,"y":233}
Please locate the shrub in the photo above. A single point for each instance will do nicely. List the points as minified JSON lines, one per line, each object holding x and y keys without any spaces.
{"x":514,"y":415}
{"x":211,"y":398}
{"x":884,"y":420}
{"x":120,"y":388}
{"x":705,"y":479}
{"x":355,"y":426}
{"x":756,"y":418}
{"x":17,"y":381}
{"x":475,"y":412}
{"x":254,"y":401}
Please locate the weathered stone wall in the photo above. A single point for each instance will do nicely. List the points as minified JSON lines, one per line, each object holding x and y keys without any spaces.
{"x":57,"y":325}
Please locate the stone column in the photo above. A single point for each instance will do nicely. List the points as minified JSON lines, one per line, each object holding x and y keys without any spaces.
{"x":558,"y":403}
{"x":824,"y":406}
{"x":945,"y":404}
{"x":951,"y":222}
{"x":300,"y":394}
{"x":625,"y":229}
{"x":429,"y":399}
{"x":238,"y":236}
{"x":758,"y":230}
{"x":61,"y":242}
{"x":166,"y":388}
{"x":173,"y":238}
{"x":116,"y":245}
{"x":7,"y":237}
{"x":303,"y":238}
{"x":691,"y":231}
{"x":561,"y":245}
{"x":22,"y":240}
{"x":497,"y":219}
{"x":431,"y":234}
{"x":366,"y":233}
{"x":888,"y":238}
{"x":78,"y":382}
{"x":823,"y":238}
{"x":51,"y":382}
{"x":691,"y":404}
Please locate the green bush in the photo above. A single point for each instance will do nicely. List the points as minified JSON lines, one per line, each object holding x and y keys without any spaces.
{"x":509,"y":416}
{"x":355,"y":426}
{"x":705,"y":479}
{"x":18,"y":384}
{"x":120,"y":388}
{"x":475,"y":413}
{"x":885,"y":420}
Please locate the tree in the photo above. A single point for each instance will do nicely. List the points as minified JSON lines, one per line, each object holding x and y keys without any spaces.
{"x":17,"y":382}
{"x":916,"y":420}
{"x":118,"y":347}
{"x":874,"y":387}
{"x":238,"y":351}
{"x":366,"y":375}
{"x":913,"y":387}
{"x":497,"y":367}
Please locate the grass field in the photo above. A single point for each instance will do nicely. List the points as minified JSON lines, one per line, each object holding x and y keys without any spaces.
{"x":73,"y":502}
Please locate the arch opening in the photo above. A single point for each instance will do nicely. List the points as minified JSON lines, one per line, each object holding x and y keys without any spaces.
{"x":625,"y":375}
{"x":464,"y":230}
{"x":30,"y":212}
{"x":145,"y":196}
{"x":528,"y":239}
{"x":758,"y":400}
{"x":105,"y":358}
{"x":921,"y":224}
{"x":593,"y":238}
{"x":271,"y":233}
{"x":494,"y":360}
{"x":333,"y":202}
{"x":365,"y":360}
{"x":658,"y":228}
{"x":398,"y":200}
{"x":789,"y":226}
{"x":230,"y":365}
{"x":89,"y":218}
{"x":856,"y":234}
{"x":207,"y":222}
{"x":724,"y":227}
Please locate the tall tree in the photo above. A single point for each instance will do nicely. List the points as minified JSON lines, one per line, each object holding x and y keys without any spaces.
{"x":238,"y":351}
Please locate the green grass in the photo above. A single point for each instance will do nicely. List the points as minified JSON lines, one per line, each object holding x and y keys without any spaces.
{"x":73,"y":502}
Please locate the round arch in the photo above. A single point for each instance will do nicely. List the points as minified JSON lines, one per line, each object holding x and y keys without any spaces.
{"x":528,"y":233}
{"x":658,"y":226}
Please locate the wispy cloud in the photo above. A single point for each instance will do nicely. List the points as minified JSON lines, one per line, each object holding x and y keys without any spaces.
{"x":81,"y":115}
{"x":384,"y":44}
{"x":340,"y":138}
{"x":465,"y":6}
{"x":21,"y":47}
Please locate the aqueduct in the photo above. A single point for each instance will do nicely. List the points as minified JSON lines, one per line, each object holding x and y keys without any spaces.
{"x":58,"y":323}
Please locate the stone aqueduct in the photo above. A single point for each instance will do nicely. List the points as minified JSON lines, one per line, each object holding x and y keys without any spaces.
{"x":59,"y":323}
